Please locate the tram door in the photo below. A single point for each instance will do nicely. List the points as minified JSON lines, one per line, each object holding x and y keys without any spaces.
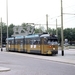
{"x":9,"y":45}
{"x":12,"y":44}
{"x":28,"y":45}
{"x":16,"y":45}
{"x":36,"y":45}
{"x":21,"y":45}
{"x":25,"y":44}
{"x":43,"y":45}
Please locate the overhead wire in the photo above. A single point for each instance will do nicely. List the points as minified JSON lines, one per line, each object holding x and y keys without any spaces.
{"x":69,"y":20}
{"x":50,"y":20}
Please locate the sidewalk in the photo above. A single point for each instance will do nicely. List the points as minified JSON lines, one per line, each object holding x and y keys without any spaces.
{"x":69,"y":57}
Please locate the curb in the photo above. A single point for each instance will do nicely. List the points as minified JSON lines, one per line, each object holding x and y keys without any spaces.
{"x":67,"y":61}
{"x":2,"y":69}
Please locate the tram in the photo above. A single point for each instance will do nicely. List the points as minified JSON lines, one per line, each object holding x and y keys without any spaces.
{"x":34,"y":43}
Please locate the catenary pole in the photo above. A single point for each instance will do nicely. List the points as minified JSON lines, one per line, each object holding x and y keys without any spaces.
{"x":56,"y":28}
{"x":62,"y":29}
{"x":1,"y":34}
{"x":7,"y":20}
{"x":47,"y":21}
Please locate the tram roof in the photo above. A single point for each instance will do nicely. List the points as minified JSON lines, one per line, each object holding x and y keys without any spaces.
{"x":19,"y":37}
{"x":32,"y":36}
{"x":45,"y":35}
{"x":11,"y":38}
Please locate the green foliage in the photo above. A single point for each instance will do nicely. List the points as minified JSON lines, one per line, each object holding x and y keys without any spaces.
{"x":23,"y":24}
{"x":59,"y":34}
{"x":37,"y":30}
{"x":10,"y":29}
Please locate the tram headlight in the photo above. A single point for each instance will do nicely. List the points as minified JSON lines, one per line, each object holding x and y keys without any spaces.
{"x":49,"y":52}
{"x":53,"y":48}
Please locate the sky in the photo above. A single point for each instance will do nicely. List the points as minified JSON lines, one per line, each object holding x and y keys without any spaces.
{"x":34,"y":11}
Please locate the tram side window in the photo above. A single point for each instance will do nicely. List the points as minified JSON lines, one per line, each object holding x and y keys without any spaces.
{"x":31,"y":41}
{"x":12,"y":41}
{"x":9,"y":42}
{"x":26,"y":41}
{"x":16,"y":42}
{"x":49,"y":41}
{"x":37,"y":41}
{"x":45,"y":41}
{"x":21,"y":41}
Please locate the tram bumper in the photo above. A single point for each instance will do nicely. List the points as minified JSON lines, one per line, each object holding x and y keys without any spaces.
{"x":52,"y":52}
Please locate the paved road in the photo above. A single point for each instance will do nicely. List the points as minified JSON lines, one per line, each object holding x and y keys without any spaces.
{"x":26,"y":64}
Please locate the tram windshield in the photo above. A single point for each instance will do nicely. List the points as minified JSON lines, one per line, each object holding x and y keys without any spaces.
{"x":52,"y":41}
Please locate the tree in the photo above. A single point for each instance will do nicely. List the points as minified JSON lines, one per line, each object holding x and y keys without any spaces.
{"x":59,"y":35}
{"x":68,"y":33}
{"x":3,"y":26}
{"x":10,"y":30}
{"x":37,"y":30}
{"x":23,"y":24}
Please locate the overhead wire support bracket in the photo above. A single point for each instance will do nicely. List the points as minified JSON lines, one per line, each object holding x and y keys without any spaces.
{"x":69,"y":13}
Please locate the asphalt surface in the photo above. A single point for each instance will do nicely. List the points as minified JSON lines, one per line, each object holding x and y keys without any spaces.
{"x":69,"y":58}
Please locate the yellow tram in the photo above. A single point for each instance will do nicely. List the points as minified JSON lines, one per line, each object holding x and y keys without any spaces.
{"x":34,"y":43}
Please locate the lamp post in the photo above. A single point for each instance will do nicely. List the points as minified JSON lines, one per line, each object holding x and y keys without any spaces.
{"x":62,"y":29}
{"x":7,"y":20}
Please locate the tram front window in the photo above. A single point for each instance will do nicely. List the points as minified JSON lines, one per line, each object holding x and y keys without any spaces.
{"x":52,"y":41}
